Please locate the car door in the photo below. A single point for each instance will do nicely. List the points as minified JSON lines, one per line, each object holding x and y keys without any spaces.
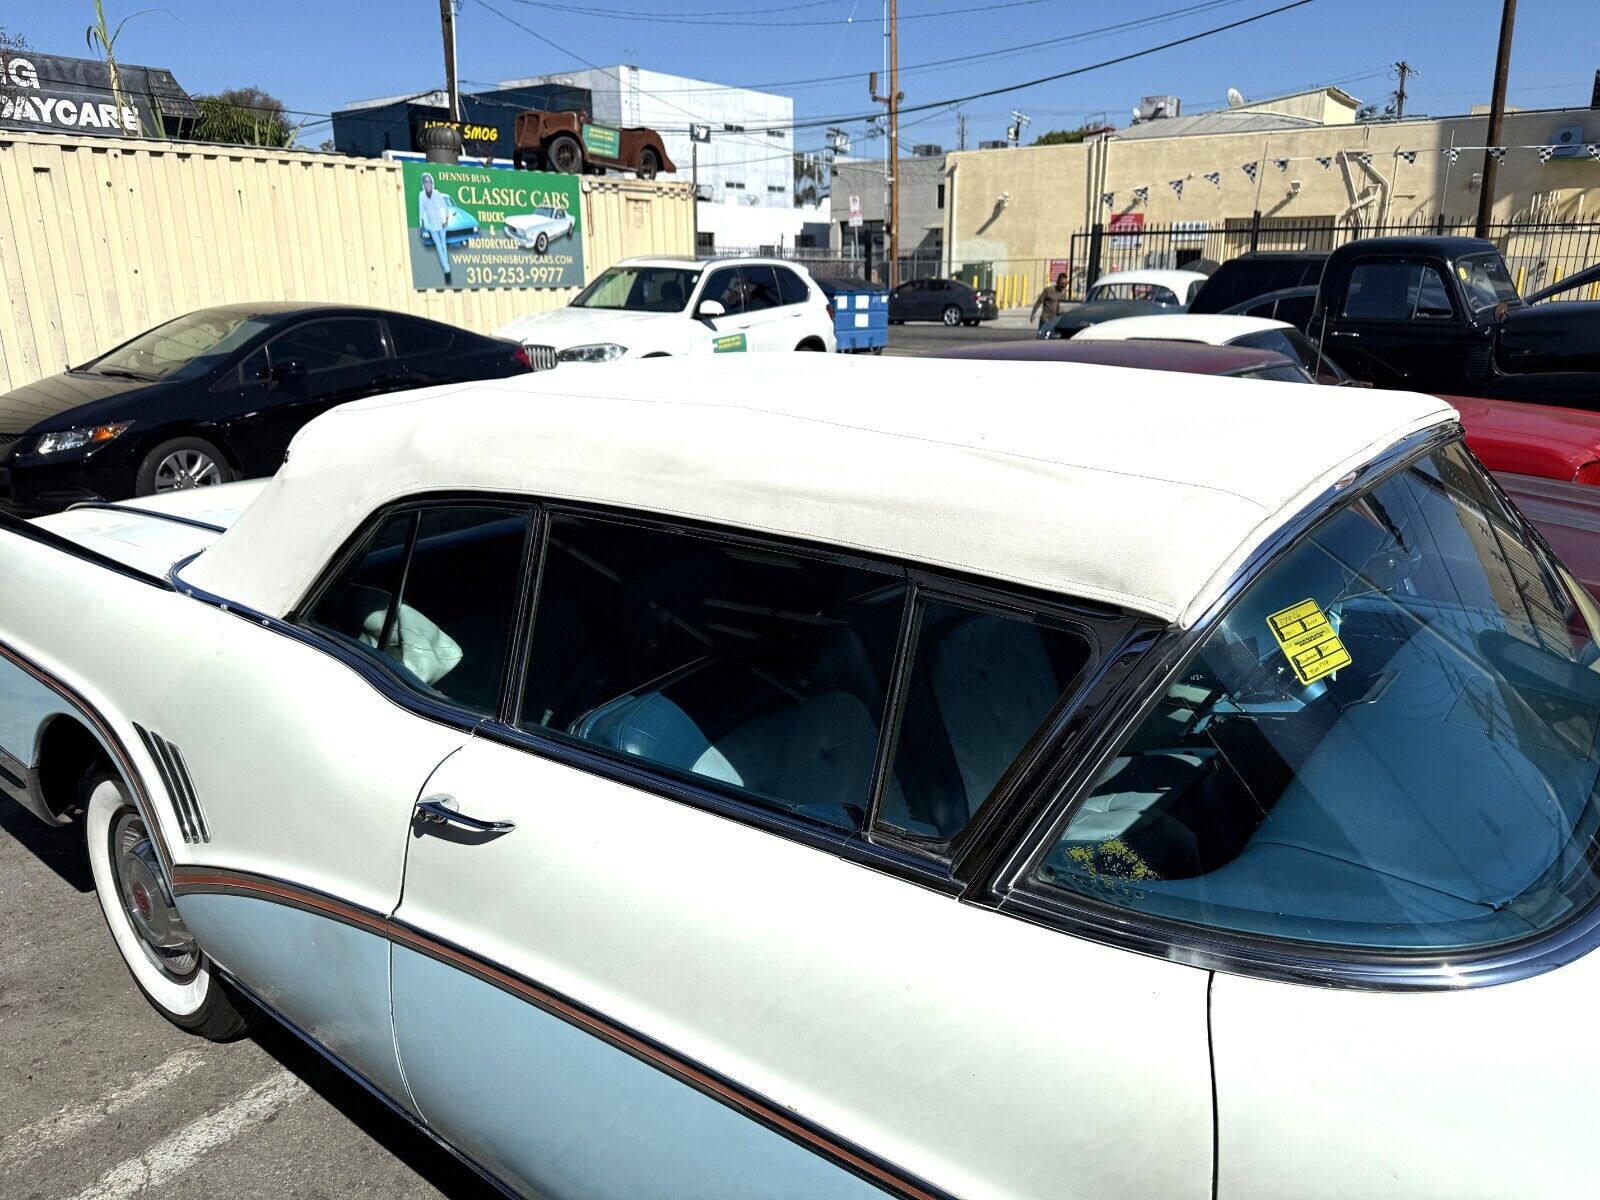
{"x":769,"y":325}
{"x":1399,"y":325}
{"x":302,"y":372}
{"x":908,"y":301}
{"x":730,"y":332}
{"x":306,"y":755}
{"x":423,"y":352}
{"x":653,"y":955}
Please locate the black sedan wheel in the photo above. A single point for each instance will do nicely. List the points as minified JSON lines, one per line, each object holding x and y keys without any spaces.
{"x":181,"y":464}
{"x":951,"y":316}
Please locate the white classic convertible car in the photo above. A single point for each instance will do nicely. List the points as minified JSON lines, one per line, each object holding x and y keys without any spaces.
{"x":537,"y":229}
{"x":730,"y":779}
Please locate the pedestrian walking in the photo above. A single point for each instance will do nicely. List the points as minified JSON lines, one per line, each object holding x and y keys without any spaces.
{"x":1048,"y":305}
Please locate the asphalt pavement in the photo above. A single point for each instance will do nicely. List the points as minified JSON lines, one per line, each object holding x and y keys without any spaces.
{"x":101,"y":1099}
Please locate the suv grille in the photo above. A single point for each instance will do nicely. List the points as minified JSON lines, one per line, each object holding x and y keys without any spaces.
{"x":541,"y":358}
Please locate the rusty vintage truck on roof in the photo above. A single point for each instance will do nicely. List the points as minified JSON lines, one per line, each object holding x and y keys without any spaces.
{"x":572,"y":144}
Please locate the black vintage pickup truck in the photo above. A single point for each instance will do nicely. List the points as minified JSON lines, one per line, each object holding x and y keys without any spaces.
{"x":1442,"y":315}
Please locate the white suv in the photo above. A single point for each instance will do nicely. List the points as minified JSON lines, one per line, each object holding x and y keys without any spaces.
{"x":649,"y":307}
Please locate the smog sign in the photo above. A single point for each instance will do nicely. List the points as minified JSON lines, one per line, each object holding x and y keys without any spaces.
{"x":478,"y":227}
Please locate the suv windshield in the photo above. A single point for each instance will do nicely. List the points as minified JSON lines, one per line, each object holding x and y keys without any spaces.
{"x":183,"y":348}
{"x":1486,"y":281}
{"x":641,"y":289}
{"x":1389,"y":741}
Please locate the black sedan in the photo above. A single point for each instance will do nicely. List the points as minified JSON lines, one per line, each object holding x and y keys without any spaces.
{"x":946,"y":300}
{"x":216,"y":395}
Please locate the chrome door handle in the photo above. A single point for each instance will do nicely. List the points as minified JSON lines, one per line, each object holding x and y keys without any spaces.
{"x":1346,"y":333}
{"x":440,"y":810}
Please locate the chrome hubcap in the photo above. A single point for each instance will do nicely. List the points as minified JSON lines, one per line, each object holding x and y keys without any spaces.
{"x":147,"y":901}
{"x":185,"y":469}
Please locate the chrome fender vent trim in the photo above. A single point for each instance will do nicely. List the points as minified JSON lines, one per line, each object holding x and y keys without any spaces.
{"x":179,"y":785}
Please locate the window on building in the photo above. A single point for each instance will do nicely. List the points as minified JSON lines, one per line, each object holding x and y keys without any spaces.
{"x":733,"y":128}
{"x":777,"y":133}
{"x":734,"y":185}
{"x":705,"y":243}
{"x":940,"y":201}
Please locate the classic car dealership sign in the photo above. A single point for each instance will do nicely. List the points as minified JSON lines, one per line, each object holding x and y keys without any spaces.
{"x":602,"y":142}
{"x":456,"y":223}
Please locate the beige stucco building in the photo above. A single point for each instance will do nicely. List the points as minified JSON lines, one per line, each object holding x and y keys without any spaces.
{"x":1012,"y":212}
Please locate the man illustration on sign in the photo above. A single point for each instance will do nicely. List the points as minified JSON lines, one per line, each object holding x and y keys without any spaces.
{"x":433,"y":209}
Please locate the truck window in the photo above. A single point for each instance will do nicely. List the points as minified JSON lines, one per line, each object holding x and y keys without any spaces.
{"x":1387,"y":290}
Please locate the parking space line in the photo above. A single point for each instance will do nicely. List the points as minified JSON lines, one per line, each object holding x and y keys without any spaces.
{"x":178,"y":1151}
{"x":71,"y":1120}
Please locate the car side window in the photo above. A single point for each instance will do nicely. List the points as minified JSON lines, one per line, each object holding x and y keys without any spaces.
{"x":791,"y":287}
{"x":330,"y":345}
{"x":419,"y":337}
{"x":761,"y":288}
{"x":981,"y":685}
{"x":1394,"y":290}
{"x":255,"y":368}
{"x":431,"y":595}
{"x":726,"y":288}
{"x":754,"y":670}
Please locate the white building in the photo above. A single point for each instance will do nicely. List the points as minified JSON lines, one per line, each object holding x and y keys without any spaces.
{"x":747,"y":162}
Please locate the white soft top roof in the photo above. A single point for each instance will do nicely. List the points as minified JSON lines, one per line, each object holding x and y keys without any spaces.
{"x":1136,"y":488}
{"x":1166,"y":277}
{"x":1214,"y":329}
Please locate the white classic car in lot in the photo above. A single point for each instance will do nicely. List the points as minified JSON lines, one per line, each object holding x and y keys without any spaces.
{"x":537,"y":229}
{"x":729,"y":780}
{"x":661,"y":307}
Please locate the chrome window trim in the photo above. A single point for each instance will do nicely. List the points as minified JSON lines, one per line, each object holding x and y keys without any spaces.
{"x":1256,"y":956}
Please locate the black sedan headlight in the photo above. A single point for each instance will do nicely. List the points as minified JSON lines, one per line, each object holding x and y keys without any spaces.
{"x":82,"y":437}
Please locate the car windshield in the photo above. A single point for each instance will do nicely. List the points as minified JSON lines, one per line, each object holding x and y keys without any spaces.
{"x":1486,"y":281}
{"x":1133,"y":291}
{"x":1388,"y":742}
{"x":185,"y":348}
{"x":640,"y":289}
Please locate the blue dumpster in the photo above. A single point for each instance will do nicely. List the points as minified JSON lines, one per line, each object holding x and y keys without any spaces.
{"x":860,"y":314}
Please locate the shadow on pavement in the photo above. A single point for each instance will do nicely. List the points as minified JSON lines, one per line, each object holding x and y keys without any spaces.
{"x":436,"y":1165}
{"x":59,"y":847}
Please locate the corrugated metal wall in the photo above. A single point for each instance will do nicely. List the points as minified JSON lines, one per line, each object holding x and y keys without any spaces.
{"x":101,"y":238}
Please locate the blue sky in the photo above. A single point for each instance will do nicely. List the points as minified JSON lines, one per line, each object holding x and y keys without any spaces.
{"x":318,"y":54}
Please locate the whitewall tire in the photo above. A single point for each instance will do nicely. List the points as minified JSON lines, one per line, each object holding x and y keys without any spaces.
{"x":160,"y":954}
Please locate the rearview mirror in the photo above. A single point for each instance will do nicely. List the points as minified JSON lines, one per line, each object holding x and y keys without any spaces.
{"x":293,"y":369}
{"x":711,"y":308}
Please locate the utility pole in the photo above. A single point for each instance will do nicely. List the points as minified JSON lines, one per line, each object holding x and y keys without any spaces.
{"x":892,"y":100}
{"x":1402,"y":69}
{"x":961,"y":125}
{"x":442,"y":143}
{"x":1497,"y":113}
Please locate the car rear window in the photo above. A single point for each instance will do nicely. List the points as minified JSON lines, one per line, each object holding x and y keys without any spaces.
{"x":1388,"y":742}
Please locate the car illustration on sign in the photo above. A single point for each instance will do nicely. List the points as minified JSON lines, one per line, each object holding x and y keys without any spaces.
{"x":537,"y":229}
{"x":766,"y":777}
{"x":461,"y":225}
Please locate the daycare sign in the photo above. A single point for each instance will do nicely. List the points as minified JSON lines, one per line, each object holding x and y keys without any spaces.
{"x":480,"y":227}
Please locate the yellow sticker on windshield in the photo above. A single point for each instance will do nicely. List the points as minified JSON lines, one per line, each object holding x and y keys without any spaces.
{"x":1308,"y":641}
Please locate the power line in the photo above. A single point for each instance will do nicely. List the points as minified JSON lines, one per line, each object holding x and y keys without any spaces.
{"x":723,"y":21}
